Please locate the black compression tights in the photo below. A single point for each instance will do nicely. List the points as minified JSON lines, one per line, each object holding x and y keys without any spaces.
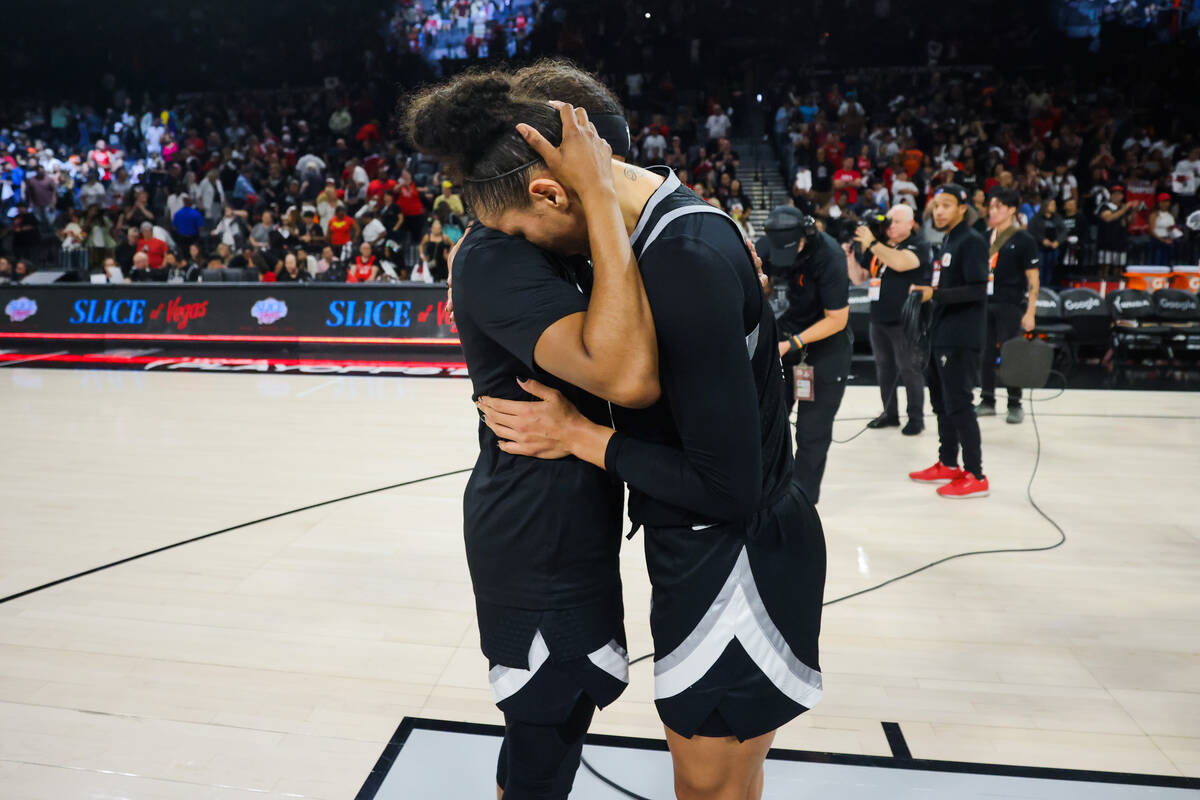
{"x":538,"y":762}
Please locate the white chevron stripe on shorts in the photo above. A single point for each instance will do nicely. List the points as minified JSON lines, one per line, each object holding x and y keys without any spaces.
{"x":737,"y":613}
{"x":613,"y":659}
{"x":507,"y":681}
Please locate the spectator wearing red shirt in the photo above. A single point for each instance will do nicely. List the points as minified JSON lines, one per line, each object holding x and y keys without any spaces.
{"x":382,"y":184}
{"x":408,"y":198}
{"x":913,"y":158}
{"x":368,"y":134}
{"x":365,"y":267}
{"x":1140,"y":191}
{"x":290,"y":154}
{"x":372,"y":163}
{"x":102,"y":158}
{"x":847,"y":180}
{"x":835,"y":149}
{"x":155,"y":249}
{"x":342,"y":231}
{"x":863,"y":162}
{"x":1043,"y":127}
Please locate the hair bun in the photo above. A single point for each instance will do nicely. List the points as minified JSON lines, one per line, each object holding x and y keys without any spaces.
{"x":458,"y":123}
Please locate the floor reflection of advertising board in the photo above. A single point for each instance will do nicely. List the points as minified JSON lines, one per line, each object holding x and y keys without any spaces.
{"x":377,"y":314}
{"x":307,"y":367}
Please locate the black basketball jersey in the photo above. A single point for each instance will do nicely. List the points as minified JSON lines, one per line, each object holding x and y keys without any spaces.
{"x":539,"y":534}
{"x":715,"y":447}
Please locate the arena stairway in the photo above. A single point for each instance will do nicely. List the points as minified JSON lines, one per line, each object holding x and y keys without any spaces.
{"x":761,"y":177}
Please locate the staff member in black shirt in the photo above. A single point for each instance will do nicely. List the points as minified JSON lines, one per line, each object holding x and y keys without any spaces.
{"x":1013,"y":285}
{"x":814,"y":334}
{"x":892,"y":270}
{"x":959,"y":294}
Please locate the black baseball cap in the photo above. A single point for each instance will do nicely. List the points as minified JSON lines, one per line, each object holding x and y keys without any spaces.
{"x":959,"y":193}
{"x":785,"y":227}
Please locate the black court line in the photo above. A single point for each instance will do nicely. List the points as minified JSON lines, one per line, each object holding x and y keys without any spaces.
{"x":384,"y":765}
{"x":410,"y":724}
{"x":895,"y":740}
{"x":239,"y":526}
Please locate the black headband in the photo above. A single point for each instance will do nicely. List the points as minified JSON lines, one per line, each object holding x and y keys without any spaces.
{"x":615,"y":130}
{"x":612,"y":128}
{"x":524,"y":166}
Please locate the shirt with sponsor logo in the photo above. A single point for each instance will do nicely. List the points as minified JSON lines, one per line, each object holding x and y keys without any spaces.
{"x":341,"y":231}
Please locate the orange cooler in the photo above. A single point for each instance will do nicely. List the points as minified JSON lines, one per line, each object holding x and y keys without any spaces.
{"x":1148,"y":279}
{"x":1186,"y":278}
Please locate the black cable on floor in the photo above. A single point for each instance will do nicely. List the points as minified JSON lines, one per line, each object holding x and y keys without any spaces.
{"x":1028,"y":494}
{"x":865,"y":428}
{"x":610,"y":782}
{"x":227,"y":530}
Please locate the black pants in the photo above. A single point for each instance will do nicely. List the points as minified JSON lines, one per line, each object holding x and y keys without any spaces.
{"x":1003,"y":323}
{"x":951,"y":376}
{"x":896,"y":358}
{"x":538,"y":762}
{"x":830,"y":360}
{"x":414,"y":227}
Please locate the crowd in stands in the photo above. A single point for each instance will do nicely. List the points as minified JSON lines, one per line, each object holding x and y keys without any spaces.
{"x":252,"y":180}
{"x":284,"y":185}
{"x":463,"y":29}
{"x":1102,"y":188}
{"x":280,"y":186}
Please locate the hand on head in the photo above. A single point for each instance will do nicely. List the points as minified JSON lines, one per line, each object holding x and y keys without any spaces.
{"x":583,"y":162}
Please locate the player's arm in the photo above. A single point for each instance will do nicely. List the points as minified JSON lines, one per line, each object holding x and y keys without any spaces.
{"x":610,"y":350}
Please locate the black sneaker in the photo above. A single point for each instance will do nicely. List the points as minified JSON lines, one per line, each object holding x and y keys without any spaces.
{"x":884,"y":421}
{"x":913,"y":427}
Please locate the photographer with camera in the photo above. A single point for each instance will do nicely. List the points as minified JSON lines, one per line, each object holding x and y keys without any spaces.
{"x":816,"y":344}
{"x":892,"y":270}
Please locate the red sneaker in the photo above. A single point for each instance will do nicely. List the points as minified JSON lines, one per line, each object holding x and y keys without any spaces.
{"x":938,"y":473}
{"x":965,"y":487}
